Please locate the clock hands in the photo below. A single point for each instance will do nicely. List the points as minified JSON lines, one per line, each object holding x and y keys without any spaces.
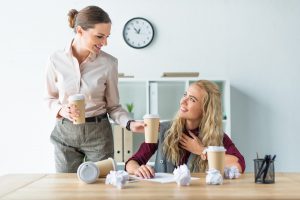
{"x":137,"y":31}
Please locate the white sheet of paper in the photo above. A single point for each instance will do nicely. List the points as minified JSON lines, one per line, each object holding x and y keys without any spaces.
{"x":160,"y":178}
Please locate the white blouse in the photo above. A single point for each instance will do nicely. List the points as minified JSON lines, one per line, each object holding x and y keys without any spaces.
{"x":96,"y":78}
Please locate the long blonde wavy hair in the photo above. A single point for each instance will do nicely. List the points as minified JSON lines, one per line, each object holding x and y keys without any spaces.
{"x":210,"y":127}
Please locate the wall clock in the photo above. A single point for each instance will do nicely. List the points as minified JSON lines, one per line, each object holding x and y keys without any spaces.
{"x":138,"y":32}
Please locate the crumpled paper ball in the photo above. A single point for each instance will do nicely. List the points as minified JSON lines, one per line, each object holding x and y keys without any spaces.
{"x":182,"y":175}
{"x":117,"y":178}
{"x":214,"y":177}
{"x":231,"y":172}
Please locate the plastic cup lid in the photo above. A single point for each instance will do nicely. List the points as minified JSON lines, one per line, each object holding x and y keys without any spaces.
{"x":215,"y":148}
{"x":151,"y":116}
{"x":76,"y":97}
{"x":88,"y":172}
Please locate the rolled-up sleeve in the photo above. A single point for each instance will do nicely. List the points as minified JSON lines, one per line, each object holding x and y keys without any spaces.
{"x":144,"y":153}
{"x":232,"y":150}
{"x":114,"y":109}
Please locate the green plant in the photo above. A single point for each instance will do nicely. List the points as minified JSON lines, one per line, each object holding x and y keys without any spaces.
{"x":129,"y":107}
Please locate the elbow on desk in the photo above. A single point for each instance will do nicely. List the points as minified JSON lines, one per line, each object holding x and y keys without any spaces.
{"x":231,"y":160}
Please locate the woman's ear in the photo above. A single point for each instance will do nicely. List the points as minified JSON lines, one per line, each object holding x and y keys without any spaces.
{"x":79,"y":30}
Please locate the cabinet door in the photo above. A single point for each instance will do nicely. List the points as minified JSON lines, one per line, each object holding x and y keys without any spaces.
{"x":134,"y":92}
{"x":127,"y":144}
{"x":118,"y":142}
{"x":165,"y":97}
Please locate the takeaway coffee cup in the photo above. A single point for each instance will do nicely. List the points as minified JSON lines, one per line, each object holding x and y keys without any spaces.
{"x":151,"y":129}
{"x":89,"y":172}
{"x":216,"y":158}
{"x":105,"y":166}
{"x":77,"y":100}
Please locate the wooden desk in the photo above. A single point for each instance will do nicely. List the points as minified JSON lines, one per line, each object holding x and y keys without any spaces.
{"x":67,"y":186}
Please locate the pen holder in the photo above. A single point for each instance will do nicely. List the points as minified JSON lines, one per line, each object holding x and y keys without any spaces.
{"x":264,"y":171}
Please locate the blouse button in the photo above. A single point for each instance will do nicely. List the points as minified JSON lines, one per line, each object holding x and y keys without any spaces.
{"x":161,"y":161}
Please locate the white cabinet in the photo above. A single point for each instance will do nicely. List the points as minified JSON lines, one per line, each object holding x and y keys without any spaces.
{"x":162,"y":96}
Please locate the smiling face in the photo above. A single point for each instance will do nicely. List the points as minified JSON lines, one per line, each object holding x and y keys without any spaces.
{"x":93,"y":39}
{"x":191,"y":104}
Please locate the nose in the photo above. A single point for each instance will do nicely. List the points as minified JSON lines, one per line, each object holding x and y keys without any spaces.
{"x":183,"y":100}
{"x":104,"y":41}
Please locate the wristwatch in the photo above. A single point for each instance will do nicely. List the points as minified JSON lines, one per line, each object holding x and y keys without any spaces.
{"x":128,"y":124}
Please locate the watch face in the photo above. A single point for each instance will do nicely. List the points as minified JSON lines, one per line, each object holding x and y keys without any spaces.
{"x":138,"y":33}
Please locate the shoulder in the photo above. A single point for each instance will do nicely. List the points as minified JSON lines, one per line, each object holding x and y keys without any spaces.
{"x":108,"y":58}
{"x":163,"y":127}
{"x":54,"y":58}
{"x":226,"y":140}
{"x":57,"y":55}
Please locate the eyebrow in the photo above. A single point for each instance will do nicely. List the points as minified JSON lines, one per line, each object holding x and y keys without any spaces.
{"x":102,"y":34}
{"x":193,"y":97}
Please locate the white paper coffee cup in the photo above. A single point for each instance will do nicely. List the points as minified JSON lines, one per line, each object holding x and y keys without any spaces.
{"x":78,"y":100}
{"x":151,"y":128}
{"x":88,"y":172}
{"x":216,"y":158}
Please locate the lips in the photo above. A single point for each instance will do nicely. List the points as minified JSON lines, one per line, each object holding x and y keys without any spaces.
{"x":98,"y":46}
{"x":182,"y":109}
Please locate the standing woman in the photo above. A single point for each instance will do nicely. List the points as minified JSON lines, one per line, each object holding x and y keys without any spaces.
{"x":82,"y":67}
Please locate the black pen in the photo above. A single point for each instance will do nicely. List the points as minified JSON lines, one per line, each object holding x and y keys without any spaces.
{"x":261,"y":169}
{"x":267,"y":167}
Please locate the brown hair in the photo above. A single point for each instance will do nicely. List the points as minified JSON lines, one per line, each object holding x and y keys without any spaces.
{"x":87,"y":17}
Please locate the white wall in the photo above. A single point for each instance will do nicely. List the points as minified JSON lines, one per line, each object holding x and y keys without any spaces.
{"x":254,"y":43}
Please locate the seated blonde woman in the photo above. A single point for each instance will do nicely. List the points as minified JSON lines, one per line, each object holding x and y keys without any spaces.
{"x":198,"y":124}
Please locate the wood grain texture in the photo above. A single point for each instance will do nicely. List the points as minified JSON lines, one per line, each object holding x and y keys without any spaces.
{"x":68,"y":187}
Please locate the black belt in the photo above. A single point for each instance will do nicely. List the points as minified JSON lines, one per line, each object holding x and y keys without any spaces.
{"x":96,"y":118}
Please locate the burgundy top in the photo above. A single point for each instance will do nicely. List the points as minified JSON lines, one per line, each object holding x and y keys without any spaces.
{"x":146,"y":150}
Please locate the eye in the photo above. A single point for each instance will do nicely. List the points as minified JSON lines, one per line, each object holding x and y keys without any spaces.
{"x":99,"y":36}
{"x":184,"y":94}
{"x":192,"y":99}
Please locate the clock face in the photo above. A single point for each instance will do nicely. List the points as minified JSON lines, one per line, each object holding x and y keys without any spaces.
{"x":138,"y":32}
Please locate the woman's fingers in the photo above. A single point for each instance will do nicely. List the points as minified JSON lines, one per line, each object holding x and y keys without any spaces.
{"x":193,"y":135}
{"x":183,"y":143}
{"x":151,"y":170}
{"x":185,"y":137}
{"x":137,"y":127}
{"x":138,"y":173}
{"x":144,"y":172}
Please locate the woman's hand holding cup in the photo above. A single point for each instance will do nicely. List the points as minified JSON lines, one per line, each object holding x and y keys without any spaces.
{"x":69,"y":112}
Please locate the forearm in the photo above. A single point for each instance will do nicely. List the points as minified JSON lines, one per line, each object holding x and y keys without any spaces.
{"x":131,"y":166}
{"x":231,"y":160}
